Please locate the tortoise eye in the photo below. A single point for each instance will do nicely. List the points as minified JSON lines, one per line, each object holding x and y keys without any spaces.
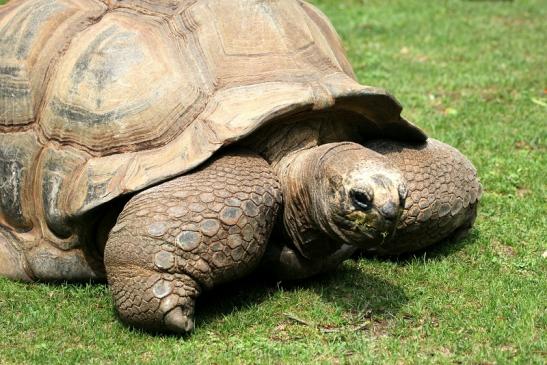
{"x":361,"y":200}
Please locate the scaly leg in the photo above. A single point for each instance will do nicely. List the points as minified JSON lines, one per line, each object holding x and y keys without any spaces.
{"x":443,"y":194}
{"x":284,"y":262}
{"x":187,"y":235}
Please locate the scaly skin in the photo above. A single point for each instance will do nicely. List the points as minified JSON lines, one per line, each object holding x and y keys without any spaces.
{"x":443,"y":194}
{"x":187,"y":235}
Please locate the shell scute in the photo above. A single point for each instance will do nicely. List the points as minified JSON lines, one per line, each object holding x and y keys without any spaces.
{"x":17,"y":152}
{"x":33,"y":35}
{"x":121,"y":87}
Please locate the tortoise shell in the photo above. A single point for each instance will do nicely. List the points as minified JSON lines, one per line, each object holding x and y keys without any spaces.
{"x":104,"y":98}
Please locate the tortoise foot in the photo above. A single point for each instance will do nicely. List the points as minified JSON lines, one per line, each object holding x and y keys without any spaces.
{"x":154,"y":300}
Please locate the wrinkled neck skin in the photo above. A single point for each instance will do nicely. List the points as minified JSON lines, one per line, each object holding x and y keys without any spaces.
{"x":282,"y":146}
{"x":303,"y":208}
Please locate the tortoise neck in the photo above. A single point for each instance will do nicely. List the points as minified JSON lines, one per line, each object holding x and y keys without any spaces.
{"x":280,"y":139}
{"x":302,"y":194}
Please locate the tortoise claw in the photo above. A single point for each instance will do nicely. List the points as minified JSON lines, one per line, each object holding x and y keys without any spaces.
{"x":176,"y":321}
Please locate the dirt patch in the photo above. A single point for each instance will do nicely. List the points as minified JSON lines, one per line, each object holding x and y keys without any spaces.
{"x":490,"y":93}
{"x":522,"y":192}
{"x":524,"y":145}
{"x":504,"y":250}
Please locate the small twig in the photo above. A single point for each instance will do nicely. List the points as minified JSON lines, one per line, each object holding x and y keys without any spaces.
{"x":298,"y":320}
{"x":539,"y":102}
{"x":362,"y":326}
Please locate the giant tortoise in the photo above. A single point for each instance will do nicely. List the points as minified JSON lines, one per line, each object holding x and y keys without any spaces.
{"x":169,"y":146}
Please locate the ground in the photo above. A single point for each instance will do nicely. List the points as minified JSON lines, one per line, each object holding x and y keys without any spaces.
{"x":471,"y":73}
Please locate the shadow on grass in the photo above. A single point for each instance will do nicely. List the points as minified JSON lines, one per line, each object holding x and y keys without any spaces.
{"x":356,"y":291}
{"x":348,"y":288}
{"x":436,"y":252}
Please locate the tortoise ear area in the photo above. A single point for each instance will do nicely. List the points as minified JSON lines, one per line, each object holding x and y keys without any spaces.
{"x":335,"y":180}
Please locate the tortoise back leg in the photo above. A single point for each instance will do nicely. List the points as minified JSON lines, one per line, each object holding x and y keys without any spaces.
{"x":443,"y":194}
{"x":40,"y":260}
{"x":13,"y":264}
{"x":187,"y":235}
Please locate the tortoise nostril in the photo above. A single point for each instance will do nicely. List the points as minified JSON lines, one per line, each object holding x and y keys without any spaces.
{"x":390,"y":211}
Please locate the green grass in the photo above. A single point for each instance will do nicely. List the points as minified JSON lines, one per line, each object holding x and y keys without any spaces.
{"x":471,"y":73}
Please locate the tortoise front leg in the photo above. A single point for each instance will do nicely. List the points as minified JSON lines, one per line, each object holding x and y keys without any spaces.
{"x":443,"y":194}
{"x":187,"y":235}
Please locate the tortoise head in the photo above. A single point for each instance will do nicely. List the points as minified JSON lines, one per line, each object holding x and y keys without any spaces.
{"x":340,"y":193}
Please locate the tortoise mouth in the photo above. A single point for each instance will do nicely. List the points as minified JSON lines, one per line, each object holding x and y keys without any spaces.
{"x":363,"y":230}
